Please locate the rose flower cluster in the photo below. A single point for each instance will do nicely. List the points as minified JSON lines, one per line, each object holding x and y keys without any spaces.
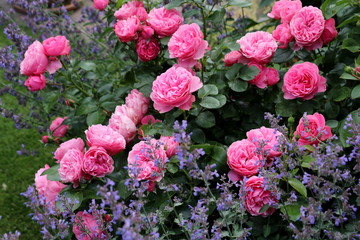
{"x":304,"y":25}
{"x":246,"y":157}
{"x":135,"y":24}
{"x":43,"y":57}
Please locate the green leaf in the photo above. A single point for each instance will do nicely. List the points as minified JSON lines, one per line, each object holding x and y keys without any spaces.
{"x":190,"y":13}
{"x":351,"y":44}
{"x":355,"y":93}
{"x":50,"y":100}
{"x":206,"y":120}
{"x":208,"y":89}
{"x":353,"y":18}
{"x":293,"y":211}
{"x":52,"y":173}
{"x":233,"y":71}
{"x":74,"y":198}
{"x":123,"y":190}
{"x":173,"y":168}
{"x":238,"y":85}
{"x":306,"y":160}
{"x":174,"y":4}
{"x":95,"y":118}
{"x":267,"y":230}
{"x":283,"y":55}
{"x":240,"y":3}
{"x":298,"y":186}
{"x":332,"y":109}
{"x":219,"y":154}
{"x":119,"y":3}
{"x":285,"y":109}
{"x":331,"y":7}
{"x":264,"y":208}
{"x":165,"y":40}
{"x":222,"y":99}
{"x":109,"y":106}
{"x":248,"y":73}
{"x":198,"y":136}
{"x":332,"y":123}
{"x":217,"y":16}
{"x":210,"y":102}
{"x":339,"y":94}
{"x":87,"y":65}
{"x":86,"y":108}
{"x":348,"y":76}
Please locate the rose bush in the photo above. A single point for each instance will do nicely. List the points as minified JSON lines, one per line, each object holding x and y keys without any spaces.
{"x":199,"y":124}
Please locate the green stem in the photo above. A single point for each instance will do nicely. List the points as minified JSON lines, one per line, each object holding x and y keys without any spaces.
{"x":74,"y":82}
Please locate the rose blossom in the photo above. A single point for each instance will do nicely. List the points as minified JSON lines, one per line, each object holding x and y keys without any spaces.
{"x":266,"y":139}
{"x":170,"y":145}
{"x":257,"y":197}
{"x":258,"y":46}
{"x":100,"y":4}
{"x":329,"y":32}
{"x":173,"y":89}
{"x":307,"y":26}
{"x":133,"y":8}
{"x":45,"y":139}
{"x":126,"y":30}
{"x":149,"y":119}
{"x":146,"y":161}
{"x":35,"y":83}
{"x":86,"y":227}
{"x":312,"y":129}
{"x":147,"y":49}
{"x":282,"y":35}
{"x":53,"y":66}
{"x":75,"y":143}
{"x":97,"y":162}
{"x":303,"y":81}
{"x":56,"y":127}
{"x":165,"y":21}
{"x":48,"y":189}
{"x":56,"y":46}
{"x":147,"y":32}
{"x":234,"y":57}
{"x":136,"y":101}
{"x":243,"y":159}
{"x":35,"y":61}
{"x":104,"y":136}
{"x":187,"y":44}
{"x":123,"y":125}
{"x":266,"y":77}
{"x":71,"y":166}
{"x":285,"y":10}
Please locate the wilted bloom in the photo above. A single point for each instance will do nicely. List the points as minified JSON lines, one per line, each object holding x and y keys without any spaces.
{"x":53,"y":66}
{"x":258,"y":46}
{"x":57,"y":129}
{"x":303,"y":81}
{"x":48,"y":189}
{"x":35,"y":61}
{"x":165,"y":21}
{"x":35,"y":83}
{"x":56,"y":46}
{"x":257,"y":197}
{"x":187,"y":44}
{"x":312,"y":129}
{"x":104,"y":136}
{"x":173,"y":89}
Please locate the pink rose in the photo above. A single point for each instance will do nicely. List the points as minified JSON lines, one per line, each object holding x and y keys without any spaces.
{"x":86,"y":227}
{"x":53,"y":66}
{"x":234,"y":57}
{"x":35,"y":83}
{"x":149,"y":119}
{"x":266,"y":77}
{"x":45,"y":139}
{"x":97,"y":162}
{"x":146,"y":161}
{"x":285,"y":10}
{"x":312,"y":129}
{"x":165,"y":21}
{"x":35,"y":61}
{"x":133,"y":8}
{"x":104,"y":136}
{"x":267,"y":140}
{"x":283,"y":35}
{"x":138,"y":103}
{"x":258,"y":46}
{"x":147,"y":49}
{"x":329,"y":32}
{"x":57,"y":129}
{"x":147,"y":32}
{"x":170,"y":145}
{"x":303,"y":81}
{"x":173,"y":89}
{"x":257,"y":197}
{"x":243,"y":159}
{"x":187,"y":44}
{"x":56,"y":46}
{"x":49,"y":189}
{"x":100,"y":4}
{"x":75,"y":143}
{"x":126,"y":30}
{"x":123,"y":125}
{"x":307,"y":26}
{"x":71,"y":166}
